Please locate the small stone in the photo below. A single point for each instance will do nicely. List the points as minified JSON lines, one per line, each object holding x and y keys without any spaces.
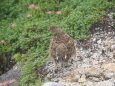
{"x":9,"y":82}
{"x":94,"y":72}
{"x":94,"y":79}
{"x":108,"y":75}
{"x":72,"y":76}
{"x":77,"y":76}
{"x":51,"y":84}
{"x":70,"y":79}
{"x":94,"y":39}
{"x":15,"y":67}
{"x":83,"y":76}
{"x":107,"y":43}
{"x":105,"y":83}
{"x":81,"y":80}
{"x":109,"y":66}
{"x":94,"y":62}
{"x":114,"y":54}
{"x":113,"y":47}
{"x":88,"y":83}
{"x":99,"y":41}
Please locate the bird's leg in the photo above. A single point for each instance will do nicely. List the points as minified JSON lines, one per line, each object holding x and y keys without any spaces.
{"x":57,"y":64}
{"x":64,"y":62}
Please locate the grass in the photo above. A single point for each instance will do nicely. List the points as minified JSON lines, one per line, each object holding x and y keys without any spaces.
{"x":28,"y":40}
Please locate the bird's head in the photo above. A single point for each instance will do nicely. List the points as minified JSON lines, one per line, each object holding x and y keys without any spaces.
{"x":54,"y":29}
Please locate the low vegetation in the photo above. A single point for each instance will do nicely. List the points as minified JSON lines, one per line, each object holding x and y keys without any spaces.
{"x":25,"y":35}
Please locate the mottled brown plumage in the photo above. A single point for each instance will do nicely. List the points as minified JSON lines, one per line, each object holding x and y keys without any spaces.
{"x":61,"y":53}
{"x":62,"y":46}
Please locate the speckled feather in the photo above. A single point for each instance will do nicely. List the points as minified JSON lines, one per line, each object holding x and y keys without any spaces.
{"x":61,"y":40}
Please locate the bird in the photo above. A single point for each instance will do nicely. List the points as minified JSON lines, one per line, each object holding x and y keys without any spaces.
{"x":62,"y":46}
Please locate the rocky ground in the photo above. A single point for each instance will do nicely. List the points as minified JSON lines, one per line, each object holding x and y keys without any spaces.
{"x":94,"y":64}
{"x":11,"y":77}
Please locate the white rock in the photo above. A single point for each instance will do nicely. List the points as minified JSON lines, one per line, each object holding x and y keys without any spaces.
{"x":51,"y":84}
{"x":105,"y":83}
{"x":99,"y":41}
{"x":94,"y":39}
{"x":108,"y":75}
{"x":89,"y":83}
{"x":81,"y":80}
{"x":113,"y":47}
